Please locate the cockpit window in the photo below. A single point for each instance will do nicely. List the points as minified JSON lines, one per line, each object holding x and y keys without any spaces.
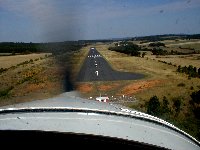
{"x":142,"y":55}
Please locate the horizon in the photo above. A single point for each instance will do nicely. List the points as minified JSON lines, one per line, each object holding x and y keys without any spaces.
{"x":39,"y":21}
{"x":115,"y":38}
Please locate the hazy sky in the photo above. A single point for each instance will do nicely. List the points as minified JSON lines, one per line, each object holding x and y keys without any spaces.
{"x":61,"y":20}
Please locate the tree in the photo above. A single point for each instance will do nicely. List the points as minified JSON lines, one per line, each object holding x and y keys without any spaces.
{"x":143,"y":54}
{"x":153,"y":107}
{"x":158,"y":51}
{"x":195,"y":97}
{"x":179,"y":69}
{"x":165,"y":105}
{"x":184,"y":69}
{"x":156,"y":44}
{"x":177,"y":104}
{"x":195,"y":69}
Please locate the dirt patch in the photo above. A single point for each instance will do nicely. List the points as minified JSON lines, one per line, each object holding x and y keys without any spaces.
{"x":139,"y":86}
{"x":84,"y":88}
{"x":107,"y":87}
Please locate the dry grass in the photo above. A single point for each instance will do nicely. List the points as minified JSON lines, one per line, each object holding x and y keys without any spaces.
{"x":38,"y":79}
{"x":183,"y":60}
{"x":155,"y":71}
{"x":77,"y":60}
{"x":8,"y":61}
{"x":85,"y":87}
{"x":182,"y":43}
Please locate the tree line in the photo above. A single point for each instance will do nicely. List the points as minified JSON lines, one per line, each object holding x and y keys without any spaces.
{"x":126,"y":48}
{"x":156,"y":44}
{"x":156,"y":108}
{"x":170,"y":109}
{"x":154,"y":38}
{"x":190,"y":70}
{"x":53,"y":47}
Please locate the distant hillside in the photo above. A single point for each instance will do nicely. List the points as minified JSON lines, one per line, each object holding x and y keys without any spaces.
{"x":154,"y":38}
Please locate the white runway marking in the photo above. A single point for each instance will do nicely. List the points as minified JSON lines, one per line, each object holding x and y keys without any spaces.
{"x":97,"y":72}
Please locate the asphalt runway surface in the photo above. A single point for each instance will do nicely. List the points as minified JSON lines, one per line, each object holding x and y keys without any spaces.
{"x":96,"y":68}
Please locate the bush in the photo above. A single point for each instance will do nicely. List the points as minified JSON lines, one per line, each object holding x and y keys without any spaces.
{"x":181,"y":84}
{"x":5,"y":92}
{"x":159,"y":51}
{"x":3,"y":70}
{"x":127,"y":48}
{"x":195,"y":97}
{"x":153,"y":107}
{"x":177,"y":104}
{"x":197,"y":112}
{"x":190,"y":70}
{"x":165,"y":107}
{"x":143,"y":54}
{"x":156,"y":44}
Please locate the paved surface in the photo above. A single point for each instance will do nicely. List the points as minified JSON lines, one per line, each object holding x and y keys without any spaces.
{"x":96,"y":68}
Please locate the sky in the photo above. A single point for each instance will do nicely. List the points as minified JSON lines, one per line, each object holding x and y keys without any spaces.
{"x":63,"y":20}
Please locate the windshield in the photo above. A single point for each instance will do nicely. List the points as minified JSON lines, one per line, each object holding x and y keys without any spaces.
{"x":144,"y":55}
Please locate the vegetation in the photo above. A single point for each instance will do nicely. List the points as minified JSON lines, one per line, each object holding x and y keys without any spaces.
{"x":190,"y":70}
{"x":181,"y":84}
{"x":143,"y":54}
{"x":177,"y":104}
{"x":159,"y":51}
{"x":195,"y":97}
{"x":26,"y":48}
{"x":169,"y":110}
{"x":126,"y":48}
{"x":172,"y":91}
{"x":153,"y":107}
{"x":196,"y":108}
{"x":165,"y":106}
{"x":157,"y":44}
{"x":166,"y":37}
{"x":3,"y":70}
{"x":5,"y":92}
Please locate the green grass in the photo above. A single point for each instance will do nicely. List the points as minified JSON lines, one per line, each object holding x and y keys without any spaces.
{"x":5,"y":92}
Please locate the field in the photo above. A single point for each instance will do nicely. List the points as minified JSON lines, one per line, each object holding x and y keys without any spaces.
{"x":161,"y":80}
{"x":182,"y":46}
{"x":36,"y":76}
{"x":8,"y":61}
{"x":40,"y":76}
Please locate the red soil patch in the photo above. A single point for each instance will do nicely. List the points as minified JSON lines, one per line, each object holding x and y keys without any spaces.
{"x":107,"y":87}
{"x":38,"y":88}
{"x":84,"y":88}
{"x":139,"y":86}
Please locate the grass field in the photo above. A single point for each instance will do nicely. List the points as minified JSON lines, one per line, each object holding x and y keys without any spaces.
{"x":8,"y":61}
{"x":154,"y":70}
{"x":36,"y":76}
{"x":43,"y":78}
{"x":161,"y":80}
{"x":183,"y":60}
{"x":182,"y":46}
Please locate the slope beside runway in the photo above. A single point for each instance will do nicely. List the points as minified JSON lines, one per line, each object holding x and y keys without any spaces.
{"x":96,"y":68}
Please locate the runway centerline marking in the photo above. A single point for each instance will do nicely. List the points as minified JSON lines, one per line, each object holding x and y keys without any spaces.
{"x":97,"y":72}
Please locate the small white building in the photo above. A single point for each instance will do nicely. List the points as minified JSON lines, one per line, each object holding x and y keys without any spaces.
{"x":102,"y":99}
